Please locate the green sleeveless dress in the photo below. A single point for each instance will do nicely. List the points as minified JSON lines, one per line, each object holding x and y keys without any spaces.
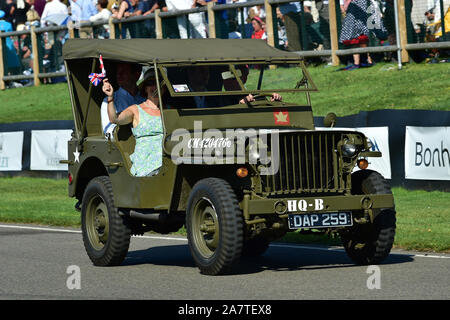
{"x":147,"y":155}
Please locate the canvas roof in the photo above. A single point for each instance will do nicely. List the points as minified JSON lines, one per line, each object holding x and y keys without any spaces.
{"x":147,"y":51}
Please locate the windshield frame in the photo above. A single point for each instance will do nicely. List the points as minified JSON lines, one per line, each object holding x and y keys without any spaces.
{"x":304,"y":84}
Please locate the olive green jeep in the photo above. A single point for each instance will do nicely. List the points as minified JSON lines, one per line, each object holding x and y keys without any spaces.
{"x":238,"y":174}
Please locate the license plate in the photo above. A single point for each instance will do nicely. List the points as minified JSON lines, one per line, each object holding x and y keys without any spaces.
{"x":320,"y":220}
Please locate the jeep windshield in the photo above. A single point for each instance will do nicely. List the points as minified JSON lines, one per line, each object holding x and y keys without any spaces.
{"x":219,"y":85}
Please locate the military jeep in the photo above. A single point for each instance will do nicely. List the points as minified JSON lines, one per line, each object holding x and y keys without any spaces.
{"x":238,"y":173}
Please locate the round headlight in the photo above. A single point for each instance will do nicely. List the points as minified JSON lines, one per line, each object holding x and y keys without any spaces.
{"x":348,"y":150}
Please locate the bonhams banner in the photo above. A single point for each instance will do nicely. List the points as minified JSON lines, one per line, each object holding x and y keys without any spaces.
{"x":11,"y":151}
{"x":427,"y":153}
{"x":48,"y":147}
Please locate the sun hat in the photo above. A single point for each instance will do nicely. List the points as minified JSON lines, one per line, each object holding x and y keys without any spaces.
{"x":258,"y":19}
{"x":149,"y":74}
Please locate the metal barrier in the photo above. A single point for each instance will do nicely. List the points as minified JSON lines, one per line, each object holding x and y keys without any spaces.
{"x":163,"y":25}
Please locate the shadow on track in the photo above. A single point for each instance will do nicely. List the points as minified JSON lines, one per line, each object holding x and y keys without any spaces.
{"x":276,"y":258}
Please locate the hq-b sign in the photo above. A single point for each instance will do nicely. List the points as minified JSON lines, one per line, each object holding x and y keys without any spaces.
{"x":427,"y":153}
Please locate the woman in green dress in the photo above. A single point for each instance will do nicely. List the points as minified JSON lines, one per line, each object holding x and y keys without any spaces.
{"x":146,"y":123}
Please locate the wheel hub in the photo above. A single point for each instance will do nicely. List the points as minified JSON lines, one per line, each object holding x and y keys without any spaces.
{"x":206,"y":227}
{"x":97,"y":223}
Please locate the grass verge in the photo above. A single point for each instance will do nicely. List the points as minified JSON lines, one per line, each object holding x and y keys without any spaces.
{"x":422,"y":217}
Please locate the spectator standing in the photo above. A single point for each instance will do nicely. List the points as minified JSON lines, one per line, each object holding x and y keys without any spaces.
{"x":259,"y":31}
{"x":293,"y":24}
{"x":417,"y":19}
{"x":33,"y":16}
{"x":130,"y":8}
{"x":10,"y":11}
{"x":82,"y":10}
{"x":12,"y":60}
{"x":153,"y":5}
{"x":39,"y":6}
{"x":233,"y":32}
{"x":53,"y":7}
{"x":222,"y":28}
{"x":25,"y":50}
{"x":358,"y":23}
{"x":196,"y":21}
{"x":170,"y":29}
{"x":103,"y":12}
{"x":102,"y":15}
{"x":256,"y":11}
{"x":435,"y":7}
{"x":324,"y":21}
{"x":22,"y":7}
{"x":434,"y":16}
{"x":242,"y":13}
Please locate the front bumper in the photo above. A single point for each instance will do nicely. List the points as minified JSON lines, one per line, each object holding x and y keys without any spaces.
{"x":283,"y":206}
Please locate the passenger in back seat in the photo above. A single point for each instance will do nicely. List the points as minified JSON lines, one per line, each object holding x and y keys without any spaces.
{"x":146,"y":123}
{"x":128,"y":93}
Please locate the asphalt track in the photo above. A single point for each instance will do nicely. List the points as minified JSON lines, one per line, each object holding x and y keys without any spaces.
{"x":36,"y":264}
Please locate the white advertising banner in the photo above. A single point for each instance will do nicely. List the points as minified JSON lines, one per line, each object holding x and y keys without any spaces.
{"x":48,"y":147}
{"x":11,"y":151}
{"x":379,"y":137}
{"x":427,"y":153}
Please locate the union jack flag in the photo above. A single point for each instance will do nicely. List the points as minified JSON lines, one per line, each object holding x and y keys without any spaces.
{"x":96,"y":78}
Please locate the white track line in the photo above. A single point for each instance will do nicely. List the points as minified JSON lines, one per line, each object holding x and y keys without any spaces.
{"x":293,"y":246}
{"x":39,"y":228}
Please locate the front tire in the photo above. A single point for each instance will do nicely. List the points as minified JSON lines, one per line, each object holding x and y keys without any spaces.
{"x":371,"y":243}
{"x":106,"y":235}
{"x":214,"y":226}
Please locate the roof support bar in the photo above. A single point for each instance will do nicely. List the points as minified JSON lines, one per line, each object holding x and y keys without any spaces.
{"x":83,"y":130}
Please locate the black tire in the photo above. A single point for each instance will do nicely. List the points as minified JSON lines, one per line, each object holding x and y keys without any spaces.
{"x":214,"y":226}
{"x":106,"y":235}
{"x":371,"y":243}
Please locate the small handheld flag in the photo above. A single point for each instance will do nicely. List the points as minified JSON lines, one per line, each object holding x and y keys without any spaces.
{"x":96,"y":78}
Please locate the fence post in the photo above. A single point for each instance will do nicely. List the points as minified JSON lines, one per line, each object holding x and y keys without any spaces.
{"x":333,"y":32}
{"x":211,"y":20}
{"x":70,"y":27}
{"x":269,"y":23}
{"x":2,"y":70}
{"x":402,"y":30}
{"x":35,"y":50}
{"x":112,"y":28}
{"x":441,"y":4}
{"x":158,"y":24}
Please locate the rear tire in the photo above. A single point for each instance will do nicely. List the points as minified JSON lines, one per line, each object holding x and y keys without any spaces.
{"x":371,"y":243}
{"x":214,"y":226}
{"x":106,"y":235}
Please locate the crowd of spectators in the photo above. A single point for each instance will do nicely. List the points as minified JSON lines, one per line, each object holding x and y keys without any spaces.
{"x":301,"y":25}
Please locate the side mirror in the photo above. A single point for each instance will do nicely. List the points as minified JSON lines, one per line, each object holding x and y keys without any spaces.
{"x":330,"y":120}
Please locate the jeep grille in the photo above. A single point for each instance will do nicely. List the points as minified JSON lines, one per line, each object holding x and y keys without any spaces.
{"x":308,"y":163}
